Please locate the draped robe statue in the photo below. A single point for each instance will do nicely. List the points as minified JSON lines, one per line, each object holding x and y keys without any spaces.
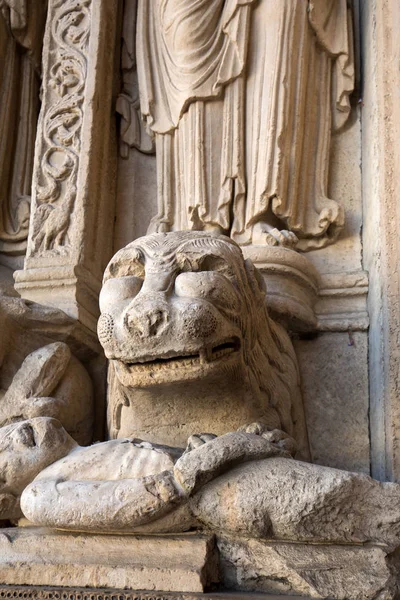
{"x":21,"y":33}
{"x":241,"y":97}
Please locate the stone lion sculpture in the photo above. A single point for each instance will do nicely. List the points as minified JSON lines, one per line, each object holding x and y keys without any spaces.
{"x":192,"y":348}
{"x":185,"y":325}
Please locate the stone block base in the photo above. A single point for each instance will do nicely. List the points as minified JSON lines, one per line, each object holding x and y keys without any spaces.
{"x":40,"y":564}
{"x":40,"y":557}
{"x":353,"y":572}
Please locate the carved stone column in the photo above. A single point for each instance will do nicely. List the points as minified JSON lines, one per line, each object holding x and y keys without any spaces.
{"x":71,"y":227}
{"x":381,"y":191}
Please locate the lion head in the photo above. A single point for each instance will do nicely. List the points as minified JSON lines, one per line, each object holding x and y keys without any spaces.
{"x":185,"y":325}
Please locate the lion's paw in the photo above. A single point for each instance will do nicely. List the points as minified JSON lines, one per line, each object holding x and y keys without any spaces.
{"x":274,"y":436}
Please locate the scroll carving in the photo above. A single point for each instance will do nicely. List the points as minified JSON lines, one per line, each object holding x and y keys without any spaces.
{"x":62,"y":123}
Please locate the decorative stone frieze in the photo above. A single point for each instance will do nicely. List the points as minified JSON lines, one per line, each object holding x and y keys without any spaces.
{"x":70,"y":236}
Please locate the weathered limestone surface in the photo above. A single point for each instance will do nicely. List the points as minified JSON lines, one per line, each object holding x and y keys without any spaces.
{"x":335,"y":391}
{"x":51,"y":382}
{"x":189,"y":564}
{"x":21,"y":36}
{"x":41,"y":382}
{"x":255,"y":136}
{"x":381,"y":247}
{"x":210,"y":95}
{"x":26,"y":448}
{"x":33,"y":556}
{"x":291,"y":500}
{"x":314,"y":571}
{"x":179,"y":308}
{"x":293,"y":294}
{"x":128,"y":485}
{"x":184,"y":319}
{"x":292,"y":285}
{"x":342,"y":302}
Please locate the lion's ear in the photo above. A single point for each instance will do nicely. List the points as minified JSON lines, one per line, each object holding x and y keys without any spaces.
{"x":255,"y":277}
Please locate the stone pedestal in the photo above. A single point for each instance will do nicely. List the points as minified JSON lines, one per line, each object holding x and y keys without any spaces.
{"x":176,"y":567}
{"x":313,"y":570}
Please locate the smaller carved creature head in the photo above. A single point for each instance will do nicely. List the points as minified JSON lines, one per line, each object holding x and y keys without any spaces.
{"x":26,"y":448}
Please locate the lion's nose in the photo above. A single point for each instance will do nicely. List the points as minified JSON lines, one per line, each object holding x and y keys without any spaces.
{"x":147,"y":319}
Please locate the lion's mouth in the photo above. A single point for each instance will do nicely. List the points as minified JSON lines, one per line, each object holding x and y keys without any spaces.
{"x":205,"y":356}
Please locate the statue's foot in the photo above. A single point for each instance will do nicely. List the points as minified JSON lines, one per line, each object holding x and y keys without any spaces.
{"x":265,"y":235}
{"x":275,"y":436}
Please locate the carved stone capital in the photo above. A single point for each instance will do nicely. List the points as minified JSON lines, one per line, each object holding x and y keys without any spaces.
{"x":292,"y":284}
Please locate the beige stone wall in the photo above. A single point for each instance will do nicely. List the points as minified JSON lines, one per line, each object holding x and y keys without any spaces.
{"x":381,"y":187}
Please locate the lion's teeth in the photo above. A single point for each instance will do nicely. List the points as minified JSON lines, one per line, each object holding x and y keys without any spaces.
{"x":206,"y":356}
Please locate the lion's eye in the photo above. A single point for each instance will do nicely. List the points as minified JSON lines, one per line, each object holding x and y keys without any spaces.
{"x":211,"y":286}
{"x":127,"y":263}
{"x":118,"y":290}
{"x":185,"y":264}
{"x":216,"y":264}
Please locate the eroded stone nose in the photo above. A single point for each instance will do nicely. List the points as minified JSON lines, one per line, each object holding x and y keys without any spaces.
{"x":147,"y":318}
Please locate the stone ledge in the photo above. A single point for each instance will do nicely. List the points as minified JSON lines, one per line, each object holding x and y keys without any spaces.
{"x":307,"y":300}
{"x":36,"y":556}
{"x":292,"y":284}
{"x":51,"y":593}
{"x":41,"y":564}
{"x":340,"y":572}
{"x":342,"y":302}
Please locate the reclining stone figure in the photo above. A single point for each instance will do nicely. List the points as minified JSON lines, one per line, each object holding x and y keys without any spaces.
{"x":239,"y":483}
{"x":192,"y":348}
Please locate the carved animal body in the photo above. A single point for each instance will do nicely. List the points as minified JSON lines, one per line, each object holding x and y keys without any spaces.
{"x":192,"y":348}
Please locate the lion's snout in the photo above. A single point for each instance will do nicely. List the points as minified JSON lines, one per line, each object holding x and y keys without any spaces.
{"x":147,"y":317}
